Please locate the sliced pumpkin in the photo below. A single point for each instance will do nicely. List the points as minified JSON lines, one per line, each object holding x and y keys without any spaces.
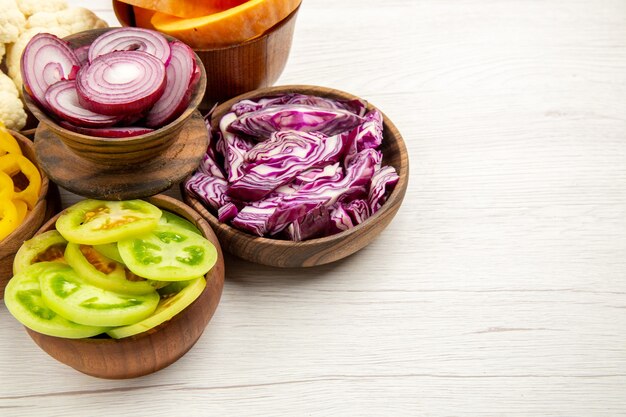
{"x":143,"y":17}
{"x":227,"y":27}
{"x":185,"y":8}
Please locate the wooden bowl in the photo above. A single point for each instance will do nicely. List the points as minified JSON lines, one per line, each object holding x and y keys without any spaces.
{"x":285,"y":253}
{"x":47,"y":204}
{"x":236,"y":69}
{"x":156,"y":348}
{"x":118,"y":151}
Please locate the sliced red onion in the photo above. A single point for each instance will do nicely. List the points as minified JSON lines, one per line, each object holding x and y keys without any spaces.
{"x":45,"y":61}
{"x":121,"y":83}
{"x":182,"y":76}
{"x":131,"y":39}
{"x":63,"y":101}
{"x":108,"y":132}
{"x":82,"y":53}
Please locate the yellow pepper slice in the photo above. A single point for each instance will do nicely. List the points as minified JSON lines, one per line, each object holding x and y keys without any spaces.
{"x":22,"y":210}
{"x":13,"y":164}
{"x":8,"y":144}
{"x":6,"y":187}
{"x":8,"y":218}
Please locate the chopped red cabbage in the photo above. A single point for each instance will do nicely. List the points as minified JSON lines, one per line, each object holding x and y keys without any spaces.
{"x":260,"y":124}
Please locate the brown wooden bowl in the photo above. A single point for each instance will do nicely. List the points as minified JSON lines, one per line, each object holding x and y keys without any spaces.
{"x":236,"y":69}
{"x":156,"y":348}
{"x":47,"y":204}
{"x":285,"y":253}
{"x":118,"y":151}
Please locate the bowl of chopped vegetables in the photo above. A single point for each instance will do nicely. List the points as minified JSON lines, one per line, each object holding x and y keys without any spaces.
{"x":113,"y":96}
{"x":118,"y":289}
{"x":299,"y":175}
{"x":27,"y":198}
{"x":243,"y":44}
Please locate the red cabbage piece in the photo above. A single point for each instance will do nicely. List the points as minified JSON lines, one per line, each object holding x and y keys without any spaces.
{"x":278,"y":160}
{"x":356,"y":106}
{"x":340,"y":219}
{"x":313,"y":224}
{"x":208,"y":166}
{"x":383,"y":182}
{"x":233,"y":147}
{"x":260,"y":124}
{"x":227,"y":212}
{"x":211,"y":190}
{"x":328,"y":172}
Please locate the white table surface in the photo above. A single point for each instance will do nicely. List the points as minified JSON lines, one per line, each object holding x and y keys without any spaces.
{"x":500,"y":286}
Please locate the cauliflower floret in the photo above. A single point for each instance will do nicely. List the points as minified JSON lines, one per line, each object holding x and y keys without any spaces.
{"x":74,"y":20}
{"x":12,"y":21}
{"x":11,"y":108}
{"x":14,"y":53}
{"x":29,"y":7}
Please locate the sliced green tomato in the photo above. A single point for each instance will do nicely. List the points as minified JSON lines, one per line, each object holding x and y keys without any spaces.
{"x":22,"y":297}
{"x":171,"y":219}
{"x":46,"y":247}
{"x":110,"y":251}
{"x":95,"y":222}
{"x":170,"y":305}
{"x":104,"y":272}
{"x":168,"y":253}
{"x":67,"y":294}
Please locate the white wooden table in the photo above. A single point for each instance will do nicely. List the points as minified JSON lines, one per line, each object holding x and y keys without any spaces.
{"x":499,"y":288}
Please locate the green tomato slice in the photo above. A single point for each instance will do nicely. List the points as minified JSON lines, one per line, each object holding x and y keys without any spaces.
{"x":110,"y":251}
{"x":171,"y":219}
{"x":168,"y":253}
{"x":104,"y":272}
{"x":67,"y":294}
{"x":170,"y":305}
{"x":95,"y":222}
{"x":22,"y":297}
{"x":46,"y":247}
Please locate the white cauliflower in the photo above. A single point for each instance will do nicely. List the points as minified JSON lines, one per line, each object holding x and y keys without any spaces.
{"x":14,"y":53}
{"x":29,"y":7}
{"x":12,"y":21}
{"x":11,"y":108}
{"x":73,"y":19}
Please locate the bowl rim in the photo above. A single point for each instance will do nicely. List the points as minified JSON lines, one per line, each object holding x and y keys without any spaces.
{"x":396,"y":195}
{"x":197,"y":96}
{"x":245,"y":43}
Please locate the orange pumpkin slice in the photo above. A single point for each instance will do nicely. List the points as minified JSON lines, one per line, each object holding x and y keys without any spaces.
{"x":227,"y":27}
{"x":186,"y":8}
{"x":142,"y":17}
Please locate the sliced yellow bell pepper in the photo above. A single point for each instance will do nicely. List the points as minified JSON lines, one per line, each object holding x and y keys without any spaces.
{"x":8,"y":144}
{"x":6,"y":187}
{"x":8,"y":218}
{"x":22,"y":209}
{"x":12,"y":165}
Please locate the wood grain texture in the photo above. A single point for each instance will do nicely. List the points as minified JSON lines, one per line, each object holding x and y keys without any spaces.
{"x":497,"y":290}
{"x":313,"y":252}
{"x":94,"y":180}
{"x":155,"y":349}
{"x":47,"y":204}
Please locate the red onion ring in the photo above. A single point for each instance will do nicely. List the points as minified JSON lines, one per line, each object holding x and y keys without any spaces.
{"x":181,"y":75}
{"x":63,"y":101}
{"x":131,"y":39}
{"x":121,"y":83}
{"x":45,"y":61}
